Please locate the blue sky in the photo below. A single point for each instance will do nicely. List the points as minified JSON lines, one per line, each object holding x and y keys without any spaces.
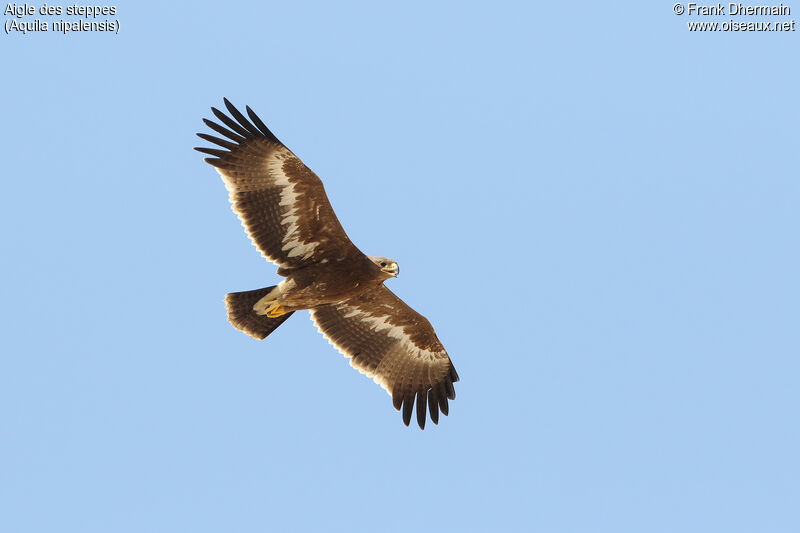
{"x":596,"y":208}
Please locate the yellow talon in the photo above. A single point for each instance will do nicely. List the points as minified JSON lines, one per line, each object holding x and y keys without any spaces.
{"x":275,"y":310}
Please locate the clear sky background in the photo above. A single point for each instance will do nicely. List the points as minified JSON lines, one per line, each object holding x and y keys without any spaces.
{"x":597,"y":209}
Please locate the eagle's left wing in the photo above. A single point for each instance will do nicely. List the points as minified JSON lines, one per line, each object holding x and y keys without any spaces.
{"x":280,"y":201}
{"x":396,"y":346}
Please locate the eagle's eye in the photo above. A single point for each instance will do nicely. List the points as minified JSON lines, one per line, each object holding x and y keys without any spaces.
{"x":383,"y":263}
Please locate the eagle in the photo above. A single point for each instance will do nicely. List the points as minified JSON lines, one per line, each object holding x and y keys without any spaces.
{"x":286,"y":213}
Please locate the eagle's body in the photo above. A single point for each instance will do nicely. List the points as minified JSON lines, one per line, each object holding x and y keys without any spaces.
{"x":330,"y":282}
{"x":285,"y":211}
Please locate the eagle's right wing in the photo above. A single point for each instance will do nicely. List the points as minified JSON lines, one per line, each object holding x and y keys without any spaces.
{"x":281,"y":202}
{"x":390,"y":342}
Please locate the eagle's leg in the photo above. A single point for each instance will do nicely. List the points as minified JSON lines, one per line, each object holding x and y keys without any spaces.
{"x":269,"y":305}
{"x":271,"y":308}
{"x":275,"y":310}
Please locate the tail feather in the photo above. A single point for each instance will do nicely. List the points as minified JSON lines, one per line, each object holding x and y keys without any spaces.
{"x":242,"y":317}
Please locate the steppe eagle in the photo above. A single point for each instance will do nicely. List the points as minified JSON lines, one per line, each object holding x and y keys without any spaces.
{"x":286,"y":213}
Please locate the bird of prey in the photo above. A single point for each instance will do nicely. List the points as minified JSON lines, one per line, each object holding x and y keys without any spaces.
{"x":286,"y":213}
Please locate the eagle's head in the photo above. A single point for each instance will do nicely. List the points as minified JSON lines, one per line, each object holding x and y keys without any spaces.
{"x":387,"y":266}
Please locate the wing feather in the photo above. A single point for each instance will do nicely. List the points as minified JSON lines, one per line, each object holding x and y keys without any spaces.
{"x":257,"y":121}
{"x":281,"y":203}
{"x":228,"y":121}
{"x":422,"y":404}
{"x":433,"y":405}
{"x":216,"y":140}
{"x":222,"y":131}
{"x":213,"y":151}
{"x":241,"y":118}
{"x":390,"y":342}
{"x":408,"y":407}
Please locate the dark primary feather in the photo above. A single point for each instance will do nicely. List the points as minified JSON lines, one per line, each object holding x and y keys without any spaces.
{"x":238,"y":128}
{"x":408,"y":407}
{"x":422,"y":404}
{"x":216,"y":140}
{"x":222,"y":131}
{"x":213,"y":151}
{"x":260,"y":125}
{"x":433,"y":405}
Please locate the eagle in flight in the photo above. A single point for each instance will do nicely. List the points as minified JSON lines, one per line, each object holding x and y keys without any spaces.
{"x":286,"y":213}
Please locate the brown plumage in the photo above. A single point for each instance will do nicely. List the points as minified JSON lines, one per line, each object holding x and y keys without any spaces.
{"x":286,"y":213}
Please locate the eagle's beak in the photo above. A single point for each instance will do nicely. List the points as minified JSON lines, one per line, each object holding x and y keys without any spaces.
{"x":392,"y":269}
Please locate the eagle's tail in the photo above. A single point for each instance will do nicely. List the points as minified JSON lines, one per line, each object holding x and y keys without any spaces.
{"x":241,"y":314}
